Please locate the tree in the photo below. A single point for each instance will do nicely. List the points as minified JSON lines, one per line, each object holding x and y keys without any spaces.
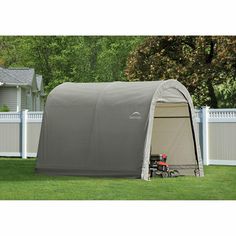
{"x":200,"y":62}
{"x":111,"y":60}
{"x":226,"y":94}
{"x":69,"y":58}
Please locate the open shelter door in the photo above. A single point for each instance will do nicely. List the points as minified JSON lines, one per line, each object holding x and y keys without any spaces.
{"x":173,"y":135}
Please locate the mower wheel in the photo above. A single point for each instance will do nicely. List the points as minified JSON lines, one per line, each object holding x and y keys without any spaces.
{"x":175,"y":173}
{"x":197,"y":172}
{"x":172,"y":174}
{"x":164,"y":175}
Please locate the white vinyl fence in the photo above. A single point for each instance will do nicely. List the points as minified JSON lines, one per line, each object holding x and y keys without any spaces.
{"x":20,"y":131}
{"x":217,"y":134}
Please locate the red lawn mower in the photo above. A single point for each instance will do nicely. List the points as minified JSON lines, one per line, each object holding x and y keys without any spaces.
{"x":159,"y":167}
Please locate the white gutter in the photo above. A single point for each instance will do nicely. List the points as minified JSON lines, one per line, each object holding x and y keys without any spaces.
{"x":14,"y":84}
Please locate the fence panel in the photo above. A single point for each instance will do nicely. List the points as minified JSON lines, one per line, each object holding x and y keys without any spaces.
{"x":34,"y":122}
{"x":10,"y":134}
{"x":216,"y":129}
{"x":219,"y":137}
{"x":222,"y":136}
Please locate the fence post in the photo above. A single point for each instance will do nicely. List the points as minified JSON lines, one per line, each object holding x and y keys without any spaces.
{"x":205,"y":135}
{"x":24,"y":134}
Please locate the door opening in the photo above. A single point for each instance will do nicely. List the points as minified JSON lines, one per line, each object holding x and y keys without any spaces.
{"x":172,"y":135}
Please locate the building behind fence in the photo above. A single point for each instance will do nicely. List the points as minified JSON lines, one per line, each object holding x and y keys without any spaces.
{"x":20,"y":131}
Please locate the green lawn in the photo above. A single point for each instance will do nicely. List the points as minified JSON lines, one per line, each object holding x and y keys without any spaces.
{"x":19,"y":181}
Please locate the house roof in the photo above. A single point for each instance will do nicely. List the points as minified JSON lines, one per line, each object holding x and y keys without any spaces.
{"x":8,"y":78}
{"x":20,"y":76}
{"x":23,"y":75}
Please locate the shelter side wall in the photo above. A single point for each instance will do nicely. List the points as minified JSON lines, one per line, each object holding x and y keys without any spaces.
{"x":96,"y":128}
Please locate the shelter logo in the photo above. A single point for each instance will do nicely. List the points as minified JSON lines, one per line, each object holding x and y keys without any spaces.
{"x":135,"y":116}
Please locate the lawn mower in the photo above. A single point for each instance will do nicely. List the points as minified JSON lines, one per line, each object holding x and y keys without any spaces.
{"x":159,"y":167}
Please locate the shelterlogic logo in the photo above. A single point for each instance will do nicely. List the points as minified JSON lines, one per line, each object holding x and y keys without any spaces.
{"x":135,"y":116}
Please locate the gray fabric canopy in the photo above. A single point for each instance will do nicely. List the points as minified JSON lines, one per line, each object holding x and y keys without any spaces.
{"x":106,"y":129}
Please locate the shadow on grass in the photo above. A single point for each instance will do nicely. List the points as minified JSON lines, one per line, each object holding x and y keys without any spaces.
{"x":16,"y":169}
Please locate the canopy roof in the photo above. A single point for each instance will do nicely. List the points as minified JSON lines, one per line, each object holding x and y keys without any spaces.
{"x":104,"y":129}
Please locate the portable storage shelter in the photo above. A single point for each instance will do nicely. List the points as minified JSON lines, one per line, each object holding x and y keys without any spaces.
{"x":111,"y":129}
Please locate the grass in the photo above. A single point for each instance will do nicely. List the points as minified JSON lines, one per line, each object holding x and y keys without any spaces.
{"x":19,"y":181}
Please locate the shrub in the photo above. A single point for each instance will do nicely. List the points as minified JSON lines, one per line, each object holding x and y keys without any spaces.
{"x":4,"y":108}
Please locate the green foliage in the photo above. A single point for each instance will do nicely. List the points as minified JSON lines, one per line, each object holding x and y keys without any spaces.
{"x":18,"y":181}
{"x":226,"y":93}
{"x":70,"y":58}
{"x":205,"y":65}
{"x":4,"y":108}
{"x":200,"y":63}
{"x":111,"y":60}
